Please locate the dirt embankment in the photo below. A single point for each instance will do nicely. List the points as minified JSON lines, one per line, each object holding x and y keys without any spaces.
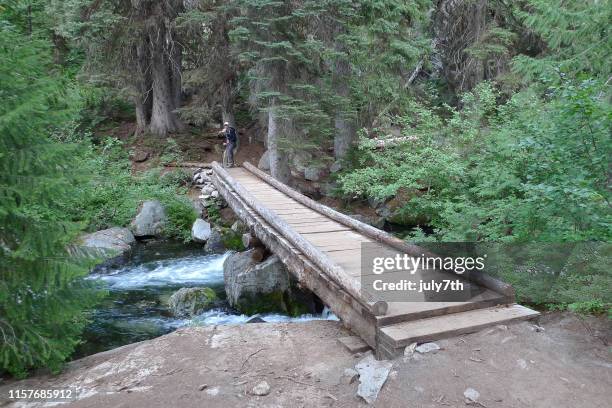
{"x":196,"y":145}
{"x":568,"y":364}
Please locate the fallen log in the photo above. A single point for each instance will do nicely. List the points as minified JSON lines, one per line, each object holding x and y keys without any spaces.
{"x":188,"y":164}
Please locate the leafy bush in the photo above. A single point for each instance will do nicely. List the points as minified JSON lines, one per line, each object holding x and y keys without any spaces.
{"x":531,"y":169}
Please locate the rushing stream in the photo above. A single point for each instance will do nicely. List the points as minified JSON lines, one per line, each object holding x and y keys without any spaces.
{"x":136,"y":308}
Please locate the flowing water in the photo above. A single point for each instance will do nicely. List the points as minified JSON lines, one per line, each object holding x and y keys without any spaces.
{"x":136,"y":308}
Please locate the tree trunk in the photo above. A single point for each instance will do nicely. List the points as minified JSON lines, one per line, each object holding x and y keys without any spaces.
{"x":344,"y":136}
{"x":345,"y":129}
{"x":165,"y":57}
{"x":176,"y":75}
{"x":163,"y":116}
{"x":227,"y":102}
{"x":279,"y":166}
{"x":142,"y":98}
{"x":60,"y":49}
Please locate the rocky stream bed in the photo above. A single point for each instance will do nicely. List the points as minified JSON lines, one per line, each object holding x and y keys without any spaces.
{"x":138,"y":303}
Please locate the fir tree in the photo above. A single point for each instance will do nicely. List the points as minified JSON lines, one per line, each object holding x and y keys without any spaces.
{"x":42,"y":297}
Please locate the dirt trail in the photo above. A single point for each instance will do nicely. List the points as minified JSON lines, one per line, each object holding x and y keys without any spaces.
{"x":566,"y":365}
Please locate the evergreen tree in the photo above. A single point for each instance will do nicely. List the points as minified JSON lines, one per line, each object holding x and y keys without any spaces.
{"x":576,"y":35}
{"x":42,"y":297}
{"x":134,"y":47}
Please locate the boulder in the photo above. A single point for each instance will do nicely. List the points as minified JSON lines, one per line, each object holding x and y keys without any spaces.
{"x":208,"y":189}
{"x":243,"y":277}
{"x":300,"y":160}
{"x":471,"y":396}
{"x":140,"y":155}
{"x":187,"y":302}
{"x":255,"y":319}
{"x":201,"y":177}
{"x":264,"y":161}
{"x":111,"y":245}
{"x":150,"y":220}
{"x":214,"y":244}
{"x":253,"y":287}
{"x":313,"y":173}
{"x":113,"y":240}
{"x":200,"y":231}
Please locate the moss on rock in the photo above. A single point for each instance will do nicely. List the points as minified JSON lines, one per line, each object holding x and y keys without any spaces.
{"x":191,"y":301}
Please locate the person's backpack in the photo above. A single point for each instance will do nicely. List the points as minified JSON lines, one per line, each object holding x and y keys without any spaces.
{"x":233,"y":136}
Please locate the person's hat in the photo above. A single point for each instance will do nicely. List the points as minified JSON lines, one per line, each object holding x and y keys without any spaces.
{"x":225,"y":123}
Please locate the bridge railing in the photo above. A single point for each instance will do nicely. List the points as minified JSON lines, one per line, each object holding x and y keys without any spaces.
{"x":374,"y":233}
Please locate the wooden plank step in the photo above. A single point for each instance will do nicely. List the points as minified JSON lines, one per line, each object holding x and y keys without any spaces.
{"x":396,"y":337}
{"x":407,"y":311}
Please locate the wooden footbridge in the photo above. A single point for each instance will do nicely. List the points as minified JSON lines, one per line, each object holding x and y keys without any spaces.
{"x":322,"y":248}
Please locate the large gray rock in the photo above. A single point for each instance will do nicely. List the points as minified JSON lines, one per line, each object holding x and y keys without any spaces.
{"x":312,"y":173}
{"x":188,"y":302}
{"x":262,"y":287}
{"x":264,"y":161}
{"x":300,"y":160}
{"x":428,"y":348}
{"x":111,"y":246}
{"x":140,"y":155}
{"x":150,"y":220}
{"x":114,"y":240}
{"x":214,"y":244}
{"x":200,"y":231}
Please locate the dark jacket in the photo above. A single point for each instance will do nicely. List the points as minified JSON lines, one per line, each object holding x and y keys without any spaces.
{"x":230,"y":135}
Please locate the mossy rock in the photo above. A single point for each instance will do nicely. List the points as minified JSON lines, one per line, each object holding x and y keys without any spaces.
{"x":232,"y":240}
{"x":285,"y":302}
{"x":191,"y":301}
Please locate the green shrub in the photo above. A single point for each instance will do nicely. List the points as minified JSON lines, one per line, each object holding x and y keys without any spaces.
{"x":113,"y":194}
{"x":181,"y":216}
{"x":172,"y":152}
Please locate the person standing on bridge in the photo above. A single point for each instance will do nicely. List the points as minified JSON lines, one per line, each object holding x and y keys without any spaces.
{"x":230,"y":143}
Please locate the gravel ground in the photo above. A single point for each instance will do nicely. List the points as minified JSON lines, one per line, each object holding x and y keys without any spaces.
{"x":567,"y":364}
